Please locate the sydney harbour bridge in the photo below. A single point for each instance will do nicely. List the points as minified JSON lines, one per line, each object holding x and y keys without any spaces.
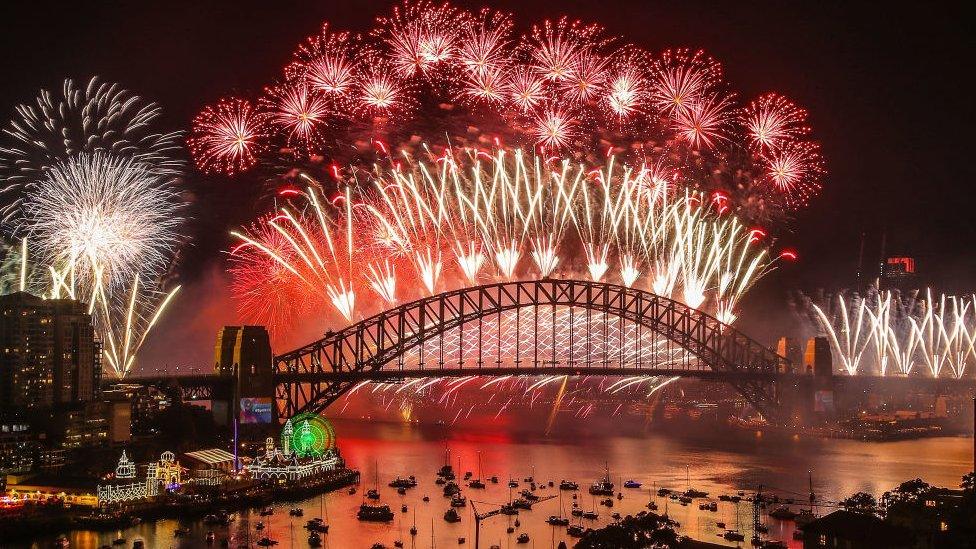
{"x":531,"y":328}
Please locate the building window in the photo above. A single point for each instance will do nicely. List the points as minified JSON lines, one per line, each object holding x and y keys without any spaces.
{"x":823,"y":540}
{"x":943,"y":526}
{"x":930,"y":503}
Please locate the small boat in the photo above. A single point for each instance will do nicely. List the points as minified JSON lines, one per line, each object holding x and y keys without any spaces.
{"x":266,"y":542}
{"x":577,"y":512}
{"x":259,"y":526}
{"x":592,"y":515}
{"x":685,"y":500}
{"x":267,"y":511}
{"x":402,"y":491}
{"x":804,"y":517}
{"x":720,"y":524}
{"x":529,"y":496}
{"x":551,"y":483}
{"x":615,"y":516}
{"x":692,"y":493}
{"x":476,"y":483}
{"x":558,"y":521}
{"x":652,"y":506}
{"x":713,"y":507}
{"x":373,"y":494}
{"x":608,"y":502}
{"x":451,"y":489}
{"x":459,"y":501}
{"x":397,"y":543}
{"x":467,"y":475}
{"x":520,"y":503}
{"x":374,"y":513}
{"x":296,"y":512}
{"x":403,"y":482}
{"x":211,"y":537}
{"x":523,"y":538}
{"x":602,"y":487}
{"x":733,"y":535}
{"x":513,"y":484}
{"x":575,"y":531}
{"x":352,"y":490}
{"x":426,"y":498}
{"x":403,"y":508}
{"x":377,"y":545}
{"x":782,"y":513}
{"x":517,"y":523}
{"x":510,"y":529}
{"x":314,"y":540}
{"x":440,"y":481}
{"x":508,"y":509}
{"x":317,"y":526}
{"x":452,"y":515}
{"x":620,"y":496}
{"x":461,"y":541}
{"x":725,"y":497}
{"x":568,"y":485}
{"x":494,"y":480}
{"x":632,"y":484}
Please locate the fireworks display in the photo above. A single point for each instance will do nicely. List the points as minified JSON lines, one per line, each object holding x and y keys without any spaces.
{"x":890,"y":333}
{"x":91,"y":191}
{"x":422,"y":227}
{"x":563,"y":87}
{"x":102,"y":117}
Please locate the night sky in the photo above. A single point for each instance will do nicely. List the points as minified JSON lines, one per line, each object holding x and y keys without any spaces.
{"x":885,"y":85}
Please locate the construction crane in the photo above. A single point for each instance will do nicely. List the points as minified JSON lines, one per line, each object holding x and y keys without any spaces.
{"x":478,"y":517}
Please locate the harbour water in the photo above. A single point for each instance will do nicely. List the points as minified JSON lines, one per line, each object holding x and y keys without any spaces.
{"x":715,"y":460}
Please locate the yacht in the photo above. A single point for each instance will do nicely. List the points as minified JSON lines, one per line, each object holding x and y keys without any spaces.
{"x":458,"y":501}
{"x":568,"y":485}
{"x":591,"y":515}
{"x":452,"y":515}
{"x":782,"y":513}
{"x":522,"y":538}
{"x":557,"y":521}
{"x":632,"y":484}
{"x":398,"y":482}
{"x":374,"y":513}
{"x":575,"y":531}
{"x":733,"y":535}
{"x":266,"y":542}
{"x":296,"y":512}
{"x":372,"y":494}
{"x":603,"y":487}
{"x":314,"y":540}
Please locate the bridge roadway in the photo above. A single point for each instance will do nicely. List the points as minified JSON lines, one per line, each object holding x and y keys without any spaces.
{"x":375,"y":348}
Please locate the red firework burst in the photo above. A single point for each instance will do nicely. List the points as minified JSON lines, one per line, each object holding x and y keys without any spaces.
{"x":704,"y":122}
{"x":772,"y":120}
{"x":299,"y":112}
{"x":554,"y":128}
{"x":681,"y":79}
{"x":226,"y":136}
{"x":484,"y":48}
{"x":526,"y":89}
{"x":794,"y":170}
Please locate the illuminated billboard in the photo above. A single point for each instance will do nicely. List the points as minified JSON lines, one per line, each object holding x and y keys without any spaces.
{"x":256,"y":410}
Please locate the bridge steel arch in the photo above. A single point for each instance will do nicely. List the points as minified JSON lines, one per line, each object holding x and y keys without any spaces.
{"x":312,"y":377}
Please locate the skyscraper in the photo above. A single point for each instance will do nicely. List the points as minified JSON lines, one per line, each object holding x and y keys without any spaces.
{"x":48,"y":352}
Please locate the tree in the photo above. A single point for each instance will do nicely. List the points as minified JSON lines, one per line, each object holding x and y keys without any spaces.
{"x":969,"y":481}
{"x":861,"y":502}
